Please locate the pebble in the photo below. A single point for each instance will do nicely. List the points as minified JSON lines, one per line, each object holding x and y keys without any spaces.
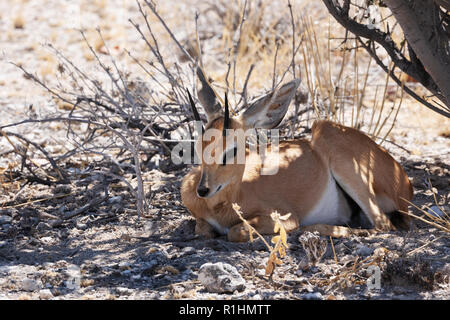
{"x":303,"y":265}
{"x":46,"y":240}
{"x":188,"y":250}
{"x":261,"y":272}
{"x":363,"y":250}
{"x":124,"y":265}
{"x":313,"y":296}
{"x":30,"y":285}
{"x":437,"y":212}
{"x":123,"y":291}
{"x":80,"y":225}
{"x":5,"y":219}
{"x":220,"y":278}
{"x":45,"y":294}
{"x":126,"y":273}
{"x":42,"y":226}
{"x":136,"y":277}
{"x":116,"y":199}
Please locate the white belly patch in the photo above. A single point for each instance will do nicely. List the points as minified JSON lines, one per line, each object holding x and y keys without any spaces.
{"x":220,"y":229}
{"x":332,"y":208}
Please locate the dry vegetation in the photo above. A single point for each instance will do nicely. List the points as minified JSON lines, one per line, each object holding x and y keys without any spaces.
{"x":88,"y":119}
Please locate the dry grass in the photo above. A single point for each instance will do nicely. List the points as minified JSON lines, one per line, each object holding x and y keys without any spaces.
{"x":430,"y":216}
{"x":255,"y":43}
{"x":278,"y":251}
{"x":351,"y":274}
{"x":264,"y":49}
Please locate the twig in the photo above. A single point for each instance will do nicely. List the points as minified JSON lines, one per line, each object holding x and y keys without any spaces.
{"x":244,"y":89}
{"x":237,"y":47}
{"x":152,"y":7}
{"x":93,"y":203}
{"x":250,"y":228}
{"x":334,"y":252}
{"x":274,"y":73}
{"x":423,"y":246}
{"x":34,"y":201}
{"x":61,"y":173}
{"x":399,"y":82}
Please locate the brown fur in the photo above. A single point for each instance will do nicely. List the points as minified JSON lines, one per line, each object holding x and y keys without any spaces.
{"x":375,"y":181}
{"x":378,"y":182}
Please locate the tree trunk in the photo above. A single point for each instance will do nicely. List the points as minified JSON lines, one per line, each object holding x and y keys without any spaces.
{"x":443,"y":3}
{"x":423,"y":31}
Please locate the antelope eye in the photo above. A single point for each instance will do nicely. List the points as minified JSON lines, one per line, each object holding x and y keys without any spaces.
{"x":230,"y":155}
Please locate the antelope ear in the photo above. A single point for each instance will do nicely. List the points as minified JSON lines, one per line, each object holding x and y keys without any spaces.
{"x":268,"y":111}
{"x":208,"y":98}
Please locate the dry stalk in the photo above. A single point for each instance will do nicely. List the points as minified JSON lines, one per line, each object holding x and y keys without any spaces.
{"x":250,"y":228}
{"x":334,"y":252}
{"x":34,"y":201}
{"x":435,"y":220}
{"x":280,"y":241}
{"x":348,"y":274}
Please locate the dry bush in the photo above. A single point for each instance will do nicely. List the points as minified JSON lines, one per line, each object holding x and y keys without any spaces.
{"x":114,"y":122}
{"x":413,"y":34}
{"x":117,"y":123}
{"x":262,"y":46}
{"x":436,"y":216}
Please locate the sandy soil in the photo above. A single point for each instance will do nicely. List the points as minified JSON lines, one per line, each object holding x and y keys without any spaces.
{"x":108,"y":254}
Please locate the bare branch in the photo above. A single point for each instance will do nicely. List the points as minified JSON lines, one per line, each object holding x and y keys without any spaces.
{"x":436,"y":80}
{"x":425,"y":37}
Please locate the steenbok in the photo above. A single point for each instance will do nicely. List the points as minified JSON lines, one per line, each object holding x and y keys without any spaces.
{"x":339,"y":183}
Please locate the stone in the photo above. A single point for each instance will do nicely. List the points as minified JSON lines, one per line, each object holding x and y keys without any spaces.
{"x":124,"y":265}
{"x":313,"y":296}
{"x":220,"y":278}
{"x":5,"y":219}
{"x":189,"y":250}
{"x":116,"y":199}
{"x":123,"y":291}
{"x":363,"y":250}
{"x":45,"y":294}
{"x":80,"y":225}
{"x":303,"y":265}
{"x":30,"y":285}
{"x":437,"y":212}
{"x":46,"y":240}
{"x":42,"y":226}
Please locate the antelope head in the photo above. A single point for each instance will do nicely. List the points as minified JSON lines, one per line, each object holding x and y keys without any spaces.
{"x":222,"y":157}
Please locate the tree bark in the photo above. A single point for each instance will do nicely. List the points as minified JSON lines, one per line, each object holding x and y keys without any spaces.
{"x":444,"y":4}
{"x":420,"y":23}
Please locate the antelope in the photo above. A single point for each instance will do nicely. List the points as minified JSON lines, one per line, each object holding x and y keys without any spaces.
{"x":339,"y":183}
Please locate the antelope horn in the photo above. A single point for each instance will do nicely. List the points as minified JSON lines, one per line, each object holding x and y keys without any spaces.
{"x":208,"y":98}
{"x":194,"y":109}
{"x":226,"y":121}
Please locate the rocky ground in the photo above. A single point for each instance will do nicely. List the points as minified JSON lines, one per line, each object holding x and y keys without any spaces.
{"x":108,"y":253}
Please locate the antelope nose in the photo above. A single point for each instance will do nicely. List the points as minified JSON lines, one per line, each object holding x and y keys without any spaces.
{"x":202,"y":191}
